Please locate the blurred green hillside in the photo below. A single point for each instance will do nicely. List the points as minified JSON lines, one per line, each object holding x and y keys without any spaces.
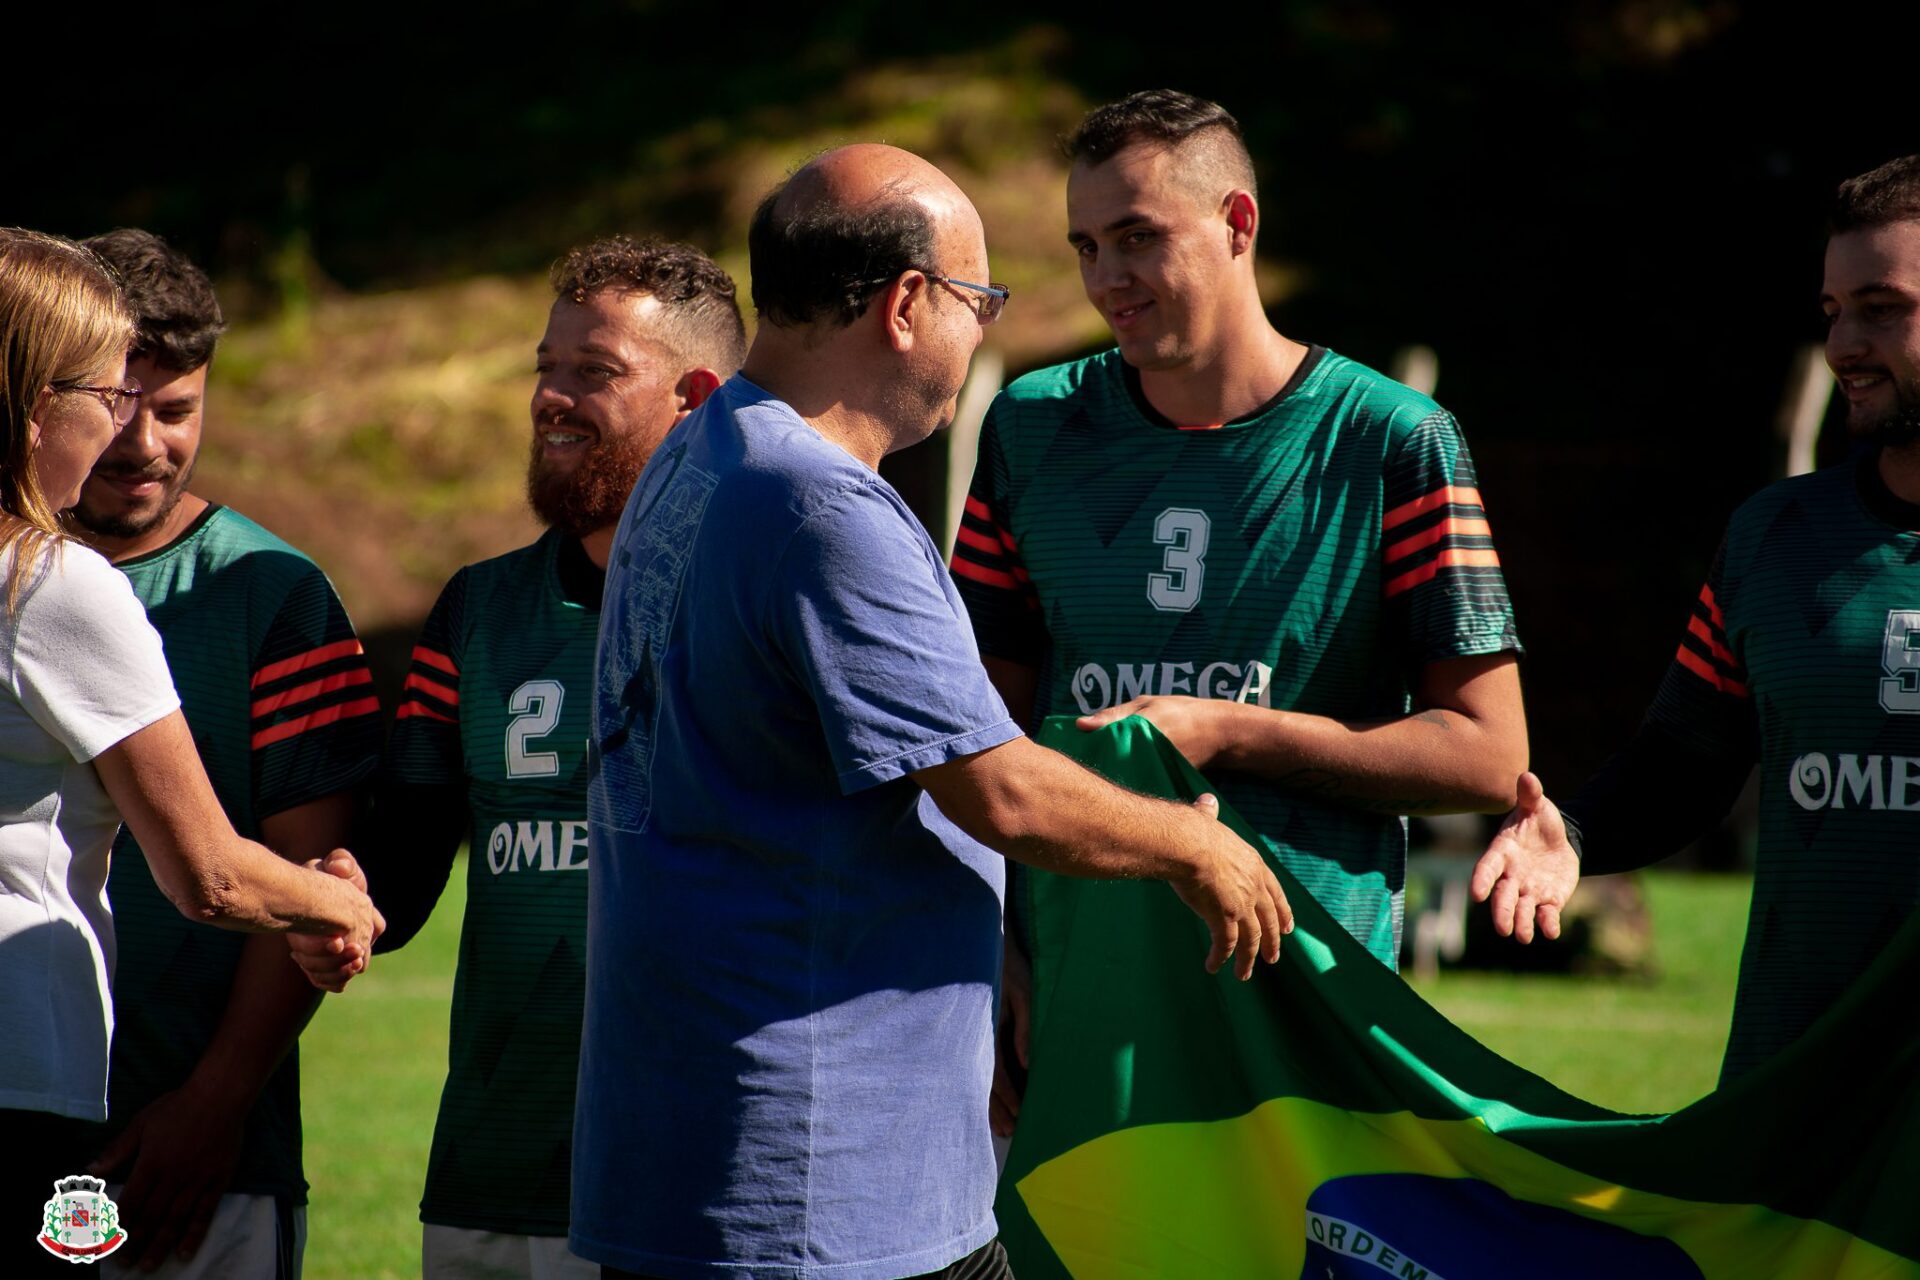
{"x":387,"y":432}
{"x":1605,"y":217}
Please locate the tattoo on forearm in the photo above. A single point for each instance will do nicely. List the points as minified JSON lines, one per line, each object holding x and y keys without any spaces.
{"x":1434,"y":718}
{"x":1323,"y":784}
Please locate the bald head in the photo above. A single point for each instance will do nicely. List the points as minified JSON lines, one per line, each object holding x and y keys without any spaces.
{"x":823,"y":243}
{"x":864,"y":173}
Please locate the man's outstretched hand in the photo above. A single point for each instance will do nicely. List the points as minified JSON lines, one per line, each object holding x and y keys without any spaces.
{"x":1230,"y":887}
{"x":1529,"y":869}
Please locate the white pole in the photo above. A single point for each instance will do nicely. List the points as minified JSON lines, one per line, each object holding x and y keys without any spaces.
{"x":1417,"y":366}
{"x":963,"y":437}
{"x":1810,"y":386}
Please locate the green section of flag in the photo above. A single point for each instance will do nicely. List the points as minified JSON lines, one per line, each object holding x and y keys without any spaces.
{"x":1178,"y":1123}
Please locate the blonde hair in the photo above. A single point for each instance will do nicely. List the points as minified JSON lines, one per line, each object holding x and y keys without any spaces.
{"x":61,"y":319}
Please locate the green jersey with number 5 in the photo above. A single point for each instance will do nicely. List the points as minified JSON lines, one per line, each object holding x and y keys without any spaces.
{"x":1804,"y":651}
{"x":497,"y":702}
{"x":1311,"y":556}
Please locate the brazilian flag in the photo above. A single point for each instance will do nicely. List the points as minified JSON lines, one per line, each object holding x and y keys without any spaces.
{"x":1322,"y":1120}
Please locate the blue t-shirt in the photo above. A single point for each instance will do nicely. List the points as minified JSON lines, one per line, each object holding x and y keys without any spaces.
{"x":791,"y":954}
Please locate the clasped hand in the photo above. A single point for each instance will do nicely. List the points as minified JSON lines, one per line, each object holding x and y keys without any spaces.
{"x":330,"y":960}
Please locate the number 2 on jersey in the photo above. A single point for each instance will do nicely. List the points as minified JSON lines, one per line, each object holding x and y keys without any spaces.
{"x":536,"y":712}
{"x":1184,"y":532}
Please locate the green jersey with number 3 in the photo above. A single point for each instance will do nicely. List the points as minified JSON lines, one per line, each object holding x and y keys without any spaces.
{"x":497,"y":701}
{"x":1311,"y":556}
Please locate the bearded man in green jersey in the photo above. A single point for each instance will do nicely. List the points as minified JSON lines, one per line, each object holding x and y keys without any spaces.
{"x":1276,"y":555}
{"x":204,"y":1087}
{"x":490,"y":746}
{"x":1802,"y":655}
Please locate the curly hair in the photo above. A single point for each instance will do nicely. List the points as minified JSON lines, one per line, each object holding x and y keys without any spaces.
{"x":1880,"y":196}
{"x":702,"y":321}
{"x":172,"y":300}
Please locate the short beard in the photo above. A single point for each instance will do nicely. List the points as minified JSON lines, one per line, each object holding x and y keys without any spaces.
{"x":1900,"y":427}
{"x":592,"y":496}
{"x":129,"y":525}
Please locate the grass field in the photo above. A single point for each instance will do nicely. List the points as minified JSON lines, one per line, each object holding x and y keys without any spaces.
{"x":375,"y":1058}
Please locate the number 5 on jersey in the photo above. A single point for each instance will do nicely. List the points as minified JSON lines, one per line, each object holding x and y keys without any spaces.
{"x":1184,"y":532}
{"x":1900,"y":659}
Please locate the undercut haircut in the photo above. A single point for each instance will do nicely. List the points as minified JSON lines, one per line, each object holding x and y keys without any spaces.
{"x":700,"y":313}
{"x":1205,"y":132}
{"x":178,"y":318}
{"x":817,"y":261}
{"x":1878,"y":197}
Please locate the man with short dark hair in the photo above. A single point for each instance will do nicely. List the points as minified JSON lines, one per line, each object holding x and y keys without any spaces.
{"x":490,"y":747}
{"x":1802,"y":655}
{"x":204,"y":1089}
{"x":802,"y":775}
{"x":1276,"y":555}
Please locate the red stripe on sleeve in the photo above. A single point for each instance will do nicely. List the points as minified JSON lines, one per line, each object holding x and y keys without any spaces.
{"x":980,"y":573}
{"x":1705,"y":670}
{"x":300,"y":693}
{"x":314,"y":720}
{"x":435,"y":659}
{"x":1452,"y":557}
{"x":410,"y":709}
{"x":975,"y":507}
{"x":1698,"y":626}
{"x":1466,"y":525}
{"x":979,"y":541}
{"x":417,"y":681}
{"x":1713,"y":607}
{"x":311,"y":658}
{"x":1441,"y":497}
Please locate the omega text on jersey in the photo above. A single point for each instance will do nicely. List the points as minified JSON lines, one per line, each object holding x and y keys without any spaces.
{"x":1097,"y":687}
{"x":546,"y":845}
{"x":1816,"y":781}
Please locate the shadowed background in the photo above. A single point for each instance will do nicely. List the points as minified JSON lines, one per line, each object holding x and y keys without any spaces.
{"x":1606,"y":221}
{"x":1605,"y":217}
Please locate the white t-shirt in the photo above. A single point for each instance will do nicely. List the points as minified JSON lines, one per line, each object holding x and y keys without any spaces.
{"x":80,"y":669}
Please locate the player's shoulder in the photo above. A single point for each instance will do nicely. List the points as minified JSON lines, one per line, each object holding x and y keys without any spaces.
{"x":1367,"y":395}
{"x":1056,"y":385}
{"x":227,"y":540}
{"x":223,"y":533}
{"x":520,"y":571}
{"x":1818,"y":491}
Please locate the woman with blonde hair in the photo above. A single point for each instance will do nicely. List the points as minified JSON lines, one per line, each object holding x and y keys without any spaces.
{"x":90,"y":735}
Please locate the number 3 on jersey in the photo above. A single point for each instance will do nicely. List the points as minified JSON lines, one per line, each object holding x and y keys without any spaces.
{"x":1184,"y":533}
{"x":536,"y":712}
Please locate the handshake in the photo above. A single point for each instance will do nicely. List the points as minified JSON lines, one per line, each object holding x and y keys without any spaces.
{"x":330,"y":959}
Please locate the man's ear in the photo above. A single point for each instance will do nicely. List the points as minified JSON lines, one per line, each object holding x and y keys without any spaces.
{"x":897,"y":309}
{"x":1243,"y":220}
{"x":692,"y":390}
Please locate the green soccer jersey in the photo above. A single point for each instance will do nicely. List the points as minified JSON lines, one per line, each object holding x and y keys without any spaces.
{"x":1311,"y":556}
{"x":275,"y":687}
{"x":498,"y":703}
{"x":1804,"y":648}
